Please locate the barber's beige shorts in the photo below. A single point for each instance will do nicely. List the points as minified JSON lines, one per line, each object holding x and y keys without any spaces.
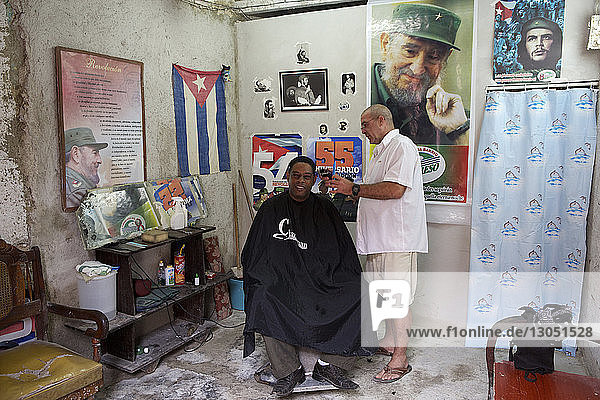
{"x":394,"y":266}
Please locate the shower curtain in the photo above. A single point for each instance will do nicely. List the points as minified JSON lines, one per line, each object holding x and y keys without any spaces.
{"x":531,"y":193}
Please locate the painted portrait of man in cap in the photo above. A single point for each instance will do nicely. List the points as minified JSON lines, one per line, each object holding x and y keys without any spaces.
{"x":416,"y":74}
{"x":528,"y":36}
{"x":82,"y":159}
{"x":540,"y":47}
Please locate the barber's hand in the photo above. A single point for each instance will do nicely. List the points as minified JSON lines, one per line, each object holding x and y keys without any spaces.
{"x":323,"y":187}
{"x":340,"y":185}
{"x":445,"y":110}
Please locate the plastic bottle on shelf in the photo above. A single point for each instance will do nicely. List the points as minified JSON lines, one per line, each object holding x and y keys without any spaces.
{"x":179,"y":217}
{"x":169,"y":275}
{"x":161,"y":273}
{"x":179,"y":264}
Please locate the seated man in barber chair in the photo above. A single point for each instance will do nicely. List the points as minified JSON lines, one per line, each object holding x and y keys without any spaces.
{"x":302,"y":282}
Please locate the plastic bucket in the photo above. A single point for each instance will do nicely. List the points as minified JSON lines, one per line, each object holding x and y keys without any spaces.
{"x":99,"y":293}
{"x":236,"y":293}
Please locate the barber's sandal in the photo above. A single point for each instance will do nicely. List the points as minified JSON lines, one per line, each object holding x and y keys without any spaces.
{"x":333,"y":375}
{"x":285,"y":386}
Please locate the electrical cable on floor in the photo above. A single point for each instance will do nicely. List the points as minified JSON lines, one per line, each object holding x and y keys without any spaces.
{"x":207,"y":335}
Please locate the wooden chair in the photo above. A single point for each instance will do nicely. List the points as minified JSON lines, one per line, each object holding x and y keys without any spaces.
{"x":505,"y":382}
{"x":40,"y":369}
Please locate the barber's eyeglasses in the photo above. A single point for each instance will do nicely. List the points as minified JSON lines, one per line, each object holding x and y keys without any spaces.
{"x":364,"y":124}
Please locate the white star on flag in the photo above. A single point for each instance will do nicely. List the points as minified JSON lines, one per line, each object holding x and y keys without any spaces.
{"x":200,"y":82}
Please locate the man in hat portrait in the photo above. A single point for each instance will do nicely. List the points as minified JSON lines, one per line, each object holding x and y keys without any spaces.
{"x":82,"y":157}
{"x":415,"y":47}
{"x":540,"y":47}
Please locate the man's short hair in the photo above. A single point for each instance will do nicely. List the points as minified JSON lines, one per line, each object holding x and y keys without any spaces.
{"x":555,"y":52}
{"x":377,"y":110}
{"x":302,"y":159}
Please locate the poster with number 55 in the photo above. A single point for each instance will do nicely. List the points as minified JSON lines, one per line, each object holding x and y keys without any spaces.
{"x":271,"y":154}
{"x":341,"y":155}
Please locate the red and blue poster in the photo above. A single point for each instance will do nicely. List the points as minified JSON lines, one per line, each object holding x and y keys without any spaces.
{"x":528,"y":36}
{"x":271,"y":154}
{"x":340,"y":154}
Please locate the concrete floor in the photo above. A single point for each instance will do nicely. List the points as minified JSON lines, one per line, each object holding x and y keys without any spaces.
{"x":217,"y":370}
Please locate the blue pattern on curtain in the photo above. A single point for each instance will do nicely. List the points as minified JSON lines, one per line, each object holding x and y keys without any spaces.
{"x":531,"y":194}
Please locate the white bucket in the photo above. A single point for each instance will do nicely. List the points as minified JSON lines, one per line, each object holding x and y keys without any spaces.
{"x":99,"y":293}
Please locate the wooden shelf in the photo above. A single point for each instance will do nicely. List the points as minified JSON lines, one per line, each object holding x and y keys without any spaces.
{"x":136,"y":245}
{"x":160,"y":342}
{"x":122,"y":320}
{"x":126,"y":330}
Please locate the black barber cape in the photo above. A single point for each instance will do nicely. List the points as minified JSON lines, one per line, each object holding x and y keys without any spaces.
{"x":302,"y":277}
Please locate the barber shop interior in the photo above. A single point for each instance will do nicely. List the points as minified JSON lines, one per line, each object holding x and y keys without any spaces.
{"x":303,"y":199}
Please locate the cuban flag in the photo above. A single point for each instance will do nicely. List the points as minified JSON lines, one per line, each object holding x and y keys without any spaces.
{"x":200,"y":121}
{"x":505,"y":10}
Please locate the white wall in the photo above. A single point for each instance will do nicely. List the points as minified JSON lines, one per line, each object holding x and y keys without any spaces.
{"x":338,"y":42}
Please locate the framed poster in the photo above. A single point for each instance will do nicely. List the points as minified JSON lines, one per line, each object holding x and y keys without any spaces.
{"x":430,"y":102}
{"x":304,"y":90}
{"x":528,"y":37}
{"x":101,"y":126}
{"x":271,"y":154}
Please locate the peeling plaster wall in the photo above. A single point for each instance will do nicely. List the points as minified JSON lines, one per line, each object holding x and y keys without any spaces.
{"x":13,"y":227}
{"x":157,"y":33}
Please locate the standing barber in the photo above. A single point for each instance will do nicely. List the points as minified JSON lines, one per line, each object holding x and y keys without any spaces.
{"x":391,"y":227}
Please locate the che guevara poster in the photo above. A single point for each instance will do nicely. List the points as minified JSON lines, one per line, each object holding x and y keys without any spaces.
{"x":528,"y":37}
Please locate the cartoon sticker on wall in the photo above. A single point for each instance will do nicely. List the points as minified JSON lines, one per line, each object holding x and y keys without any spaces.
{"x":269,"y":109}
{"x":349,"y":83}
{"x":302,"y":53}
{"x":262,"y":84}
{"x":323,"y":129}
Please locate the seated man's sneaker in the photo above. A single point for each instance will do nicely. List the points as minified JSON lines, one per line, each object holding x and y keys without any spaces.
{"x":333,"y":375}
{"x":284,"y":386}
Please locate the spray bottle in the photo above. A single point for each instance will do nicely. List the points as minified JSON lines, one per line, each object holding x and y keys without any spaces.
{"x":179,"y":217}
{"x":179,"y":264}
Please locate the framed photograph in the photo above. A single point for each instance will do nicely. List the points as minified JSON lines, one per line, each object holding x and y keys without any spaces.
{"x":101,"y":128}
{"x":304,"y":90}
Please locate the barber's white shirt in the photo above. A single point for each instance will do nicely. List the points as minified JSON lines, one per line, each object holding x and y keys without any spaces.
{"x":395,"y":225}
